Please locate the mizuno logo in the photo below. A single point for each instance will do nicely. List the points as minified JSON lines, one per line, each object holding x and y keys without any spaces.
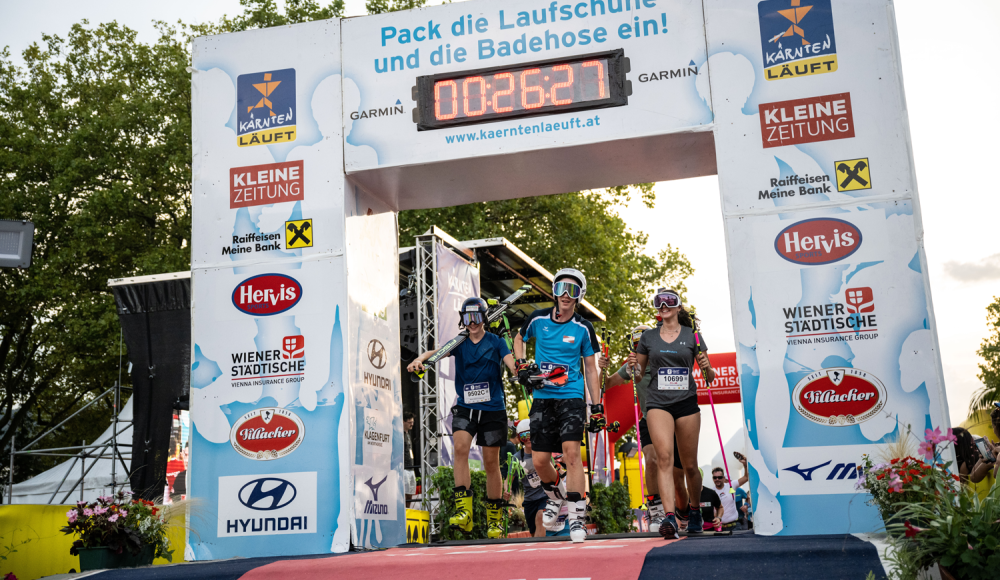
{"x":807,"y":473}
{"x":374,"y":487}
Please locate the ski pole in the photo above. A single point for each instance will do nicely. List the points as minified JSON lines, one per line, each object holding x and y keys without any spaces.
{"x":638,"y":437}
{"x":708,"y":387}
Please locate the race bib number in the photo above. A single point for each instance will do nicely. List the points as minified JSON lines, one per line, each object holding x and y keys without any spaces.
{"x":534,"y":480}
{"x":672,"y":379}
{"x":477,"y":393}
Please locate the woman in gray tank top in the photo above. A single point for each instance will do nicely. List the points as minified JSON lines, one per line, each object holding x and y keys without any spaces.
{"x":671,"y":351}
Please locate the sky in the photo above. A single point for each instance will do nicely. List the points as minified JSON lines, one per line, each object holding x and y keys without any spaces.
{"x":951,"y":155}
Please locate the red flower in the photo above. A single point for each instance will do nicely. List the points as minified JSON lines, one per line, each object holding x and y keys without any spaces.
{"x":911,"y":530}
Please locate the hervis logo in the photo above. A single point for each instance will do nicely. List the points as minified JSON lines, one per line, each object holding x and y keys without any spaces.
{"x":839,"y":396}
{"x":818,"y":241}
{"x":797,"y":38}
{"x":265,"y":108}
{"x":267,"y":294}
{"x":267,"y":433}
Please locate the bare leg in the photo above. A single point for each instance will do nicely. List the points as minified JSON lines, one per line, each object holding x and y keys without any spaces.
{"x":463,"y":442}
{"x":688,"y":429}
{"x":575,"y":479}
{"x":649,"y":454}
{"x":661,"y":431}
{"x":542,"y":461}
{"x":539,"y":527}
{"x":491,"y":462}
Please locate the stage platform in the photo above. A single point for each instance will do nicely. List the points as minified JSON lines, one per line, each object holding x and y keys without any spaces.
{"x":615,"y":557}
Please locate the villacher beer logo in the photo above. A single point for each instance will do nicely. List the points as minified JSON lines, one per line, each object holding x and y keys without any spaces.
{"x":806,"y":120}
{"x":266,"y":184}
{"x":265,"y":108}
{"x":267,"y":433}
{"x":839,"y":396}
{"x":267,"y":294}
{"x":797,"y":38}
{"x":818,"y":241}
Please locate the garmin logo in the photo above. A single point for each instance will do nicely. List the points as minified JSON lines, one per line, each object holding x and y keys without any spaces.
{"x":372,"y":113}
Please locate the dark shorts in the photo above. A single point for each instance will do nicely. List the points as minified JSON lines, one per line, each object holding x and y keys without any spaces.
{"x":688,"y":406}
{"x":555,"y":421}
{"x":646,"y":440}
{"x":488,"y":427}
{"x":531,"y":508}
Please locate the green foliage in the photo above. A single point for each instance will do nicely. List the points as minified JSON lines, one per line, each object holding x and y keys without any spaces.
{"x":265,"y":14}
{"x":443,"y":486}
{"x":989,"y":369}
{"x":579,"y":230}
{"x":96,"y":151}
{"x":609,"y":509}
{"x":382,"y":6}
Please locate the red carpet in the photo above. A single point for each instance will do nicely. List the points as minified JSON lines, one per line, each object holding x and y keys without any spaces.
{"x":618,"y":559}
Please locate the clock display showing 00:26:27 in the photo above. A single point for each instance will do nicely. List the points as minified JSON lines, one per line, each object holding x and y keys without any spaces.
{"x":521,"y":90}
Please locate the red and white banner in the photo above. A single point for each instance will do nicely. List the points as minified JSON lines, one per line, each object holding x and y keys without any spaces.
{"x":726,"y":386}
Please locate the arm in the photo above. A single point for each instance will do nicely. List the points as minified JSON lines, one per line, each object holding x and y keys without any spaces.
{"x":640,"y":361}
{"x":613,"y":381}
{"x":746,"y":473}
{"x":518,"y":346}
{"x":593,"y":378}
{"x":418,"y":363}
{"x":718,"y":514}
{"x":509,"y":361}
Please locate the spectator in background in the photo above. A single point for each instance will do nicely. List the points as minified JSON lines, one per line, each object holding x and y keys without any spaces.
{"x":534,"y":495}
{"x":966,"y":454}
{"x":711,"y":509}
{"x":983,"y":465}
{"x":409,"y":476}
{"x":743,"y":503}
{"x":729,"y":514}
{"x":509,"y":447}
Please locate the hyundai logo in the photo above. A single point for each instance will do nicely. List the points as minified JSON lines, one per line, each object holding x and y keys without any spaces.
{"x":267,"y":493}
{"x":376,"y":353}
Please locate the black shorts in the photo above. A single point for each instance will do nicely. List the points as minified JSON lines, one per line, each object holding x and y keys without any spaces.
{"x":647,"y":440}
{"x":688,"y":406}
{"x":531,"y":508}
{"x":488,"y":427}
{"x":555,"y":421}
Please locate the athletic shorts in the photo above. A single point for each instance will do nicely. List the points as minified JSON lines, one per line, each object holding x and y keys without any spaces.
{"x":688,"y":406}
{"x":531,"y":507}
{"x":647,"y":440}
{"x":409,"y":482}
{"x":488,"y":427}
{"x":555,"y":421}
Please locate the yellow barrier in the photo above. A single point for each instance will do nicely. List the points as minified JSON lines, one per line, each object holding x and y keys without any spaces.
{"x":34,"y":547}
{"x":418,"y":527}
{"x":631,"y":479}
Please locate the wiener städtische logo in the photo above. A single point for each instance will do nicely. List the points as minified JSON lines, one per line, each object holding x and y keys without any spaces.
{"x":797,"y":38}
{"x":839,"y":396}
{"x":818,"y":241}
{"x":265,"y":108}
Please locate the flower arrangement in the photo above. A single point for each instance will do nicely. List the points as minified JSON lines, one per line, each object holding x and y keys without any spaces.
{"x":931,"y":517}
{"x":119,"y":523}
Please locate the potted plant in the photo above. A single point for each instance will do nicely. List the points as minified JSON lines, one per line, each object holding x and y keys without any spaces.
{"x":117,"y":532}
{"x":933,"y":519}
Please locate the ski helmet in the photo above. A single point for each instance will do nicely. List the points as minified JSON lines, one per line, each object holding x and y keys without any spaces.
{"x":473,"y":311}
{"x":573,"y":274}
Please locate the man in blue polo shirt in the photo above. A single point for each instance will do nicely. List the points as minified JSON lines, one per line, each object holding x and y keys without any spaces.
{"x":478,"y":412}
{"x":558,"y":413}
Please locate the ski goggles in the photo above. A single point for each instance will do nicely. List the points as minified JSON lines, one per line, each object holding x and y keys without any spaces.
{"x":571,"y":289}
{"x":472,"y":318}
{"x":668,"y":299}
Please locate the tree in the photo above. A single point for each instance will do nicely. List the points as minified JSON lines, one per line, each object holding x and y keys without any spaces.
{"x":989,"y":370}
{"x":577,"y":230}
{"x":95,"y":138}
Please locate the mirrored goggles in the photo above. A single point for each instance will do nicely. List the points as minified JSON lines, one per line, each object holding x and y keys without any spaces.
{"x":668,"y":299}
{"x":570,"y":289}
{"x":526,"y":436}
{"x":472,"y":318}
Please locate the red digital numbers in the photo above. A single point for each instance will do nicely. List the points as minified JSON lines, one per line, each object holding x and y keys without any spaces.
{"x":521,"y":90}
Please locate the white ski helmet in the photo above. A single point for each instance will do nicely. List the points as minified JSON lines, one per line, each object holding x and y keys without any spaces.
{"x":574,"y":274}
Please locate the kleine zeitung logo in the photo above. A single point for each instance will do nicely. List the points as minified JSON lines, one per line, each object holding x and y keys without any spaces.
{"x":267,"y":433}
{"x":267,"y":294}
{"x":839,"y":396}
{"x":818,"y":241}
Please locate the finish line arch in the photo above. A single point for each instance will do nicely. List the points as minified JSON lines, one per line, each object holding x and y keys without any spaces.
{"x":307,"y":140}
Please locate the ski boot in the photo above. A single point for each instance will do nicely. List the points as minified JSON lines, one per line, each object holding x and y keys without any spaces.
{"x":577,"y":517}
{"x":463,"y":510}
{"x":494,"y":518}
{"x":556,"y":493}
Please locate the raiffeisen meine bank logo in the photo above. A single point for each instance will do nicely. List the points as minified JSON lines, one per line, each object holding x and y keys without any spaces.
{"x":797,"y":38}
{"x":265,"y":108}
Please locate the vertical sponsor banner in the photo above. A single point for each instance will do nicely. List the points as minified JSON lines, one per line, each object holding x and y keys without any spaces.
{"x":269,"y":457}
{"x":456,"y":280}
{"x":379,"y":519}
{"x":726,"y":386}
{"x":835,"y":331}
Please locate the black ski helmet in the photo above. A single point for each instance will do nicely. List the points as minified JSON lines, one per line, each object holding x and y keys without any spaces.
{"x":474,"y":304}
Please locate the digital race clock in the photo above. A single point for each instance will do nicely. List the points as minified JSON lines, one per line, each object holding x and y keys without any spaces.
{"x":592,"y":81}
